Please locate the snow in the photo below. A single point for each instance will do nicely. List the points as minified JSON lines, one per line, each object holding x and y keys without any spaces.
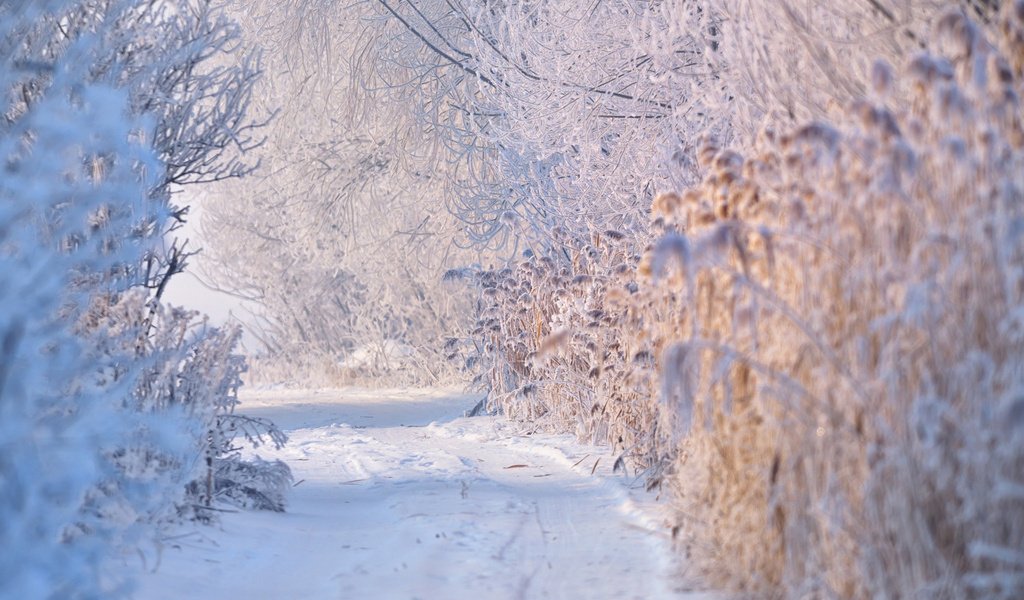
{"x":377,"y":355}
{"x":398,"y":496}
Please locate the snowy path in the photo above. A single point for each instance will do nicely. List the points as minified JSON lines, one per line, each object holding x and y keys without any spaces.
{"x":399,"y":498}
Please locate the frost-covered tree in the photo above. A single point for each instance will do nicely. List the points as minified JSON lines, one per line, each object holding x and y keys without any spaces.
{"x":411,"y":130}
{"x":341,"y":240}
{"x":813,"y":57}
{"x":548,"y":113}
{"x":106,"y":400}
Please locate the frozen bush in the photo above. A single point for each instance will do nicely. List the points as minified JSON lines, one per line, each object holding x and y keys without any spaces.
{"x":97,"y":433}
{"x":56,"y":416}
{"x":186,"y":376}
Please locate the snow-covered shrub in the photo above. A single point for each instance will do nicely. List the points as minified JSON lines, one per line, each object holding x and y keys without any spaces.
{"x":254,"y":483}
{"x":94,"y":438}
{"x":556,"y":344}
{"x":210,"y":375}
{"x":185,"y":375}
{"x":848,"y":383}
{"x":61,"y":227}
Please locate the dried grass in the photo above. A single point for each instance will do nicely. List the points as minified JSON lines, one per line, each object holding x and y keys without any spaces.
{"x":821,"y":350}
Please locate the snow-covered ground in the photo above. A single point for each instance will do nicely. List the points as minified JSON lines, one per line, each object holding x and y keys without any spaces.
{"x":398,"y":496}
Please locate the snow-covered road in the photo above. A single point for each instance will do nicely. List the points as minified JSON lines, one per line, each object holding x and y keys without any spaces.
{"x":399,"y":497}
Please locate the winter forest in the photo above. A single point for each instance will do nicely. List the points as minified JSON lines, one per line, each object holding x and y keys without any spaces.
{"x":695,"y":299}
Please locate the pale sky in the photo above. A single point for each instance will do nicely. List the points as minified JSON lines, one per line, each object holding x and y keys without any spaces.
{"x":188,"y":289}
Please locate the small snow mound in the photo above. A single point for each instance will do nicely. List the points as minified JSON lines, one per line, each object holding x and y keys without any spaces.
{"x":377,"y":356}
